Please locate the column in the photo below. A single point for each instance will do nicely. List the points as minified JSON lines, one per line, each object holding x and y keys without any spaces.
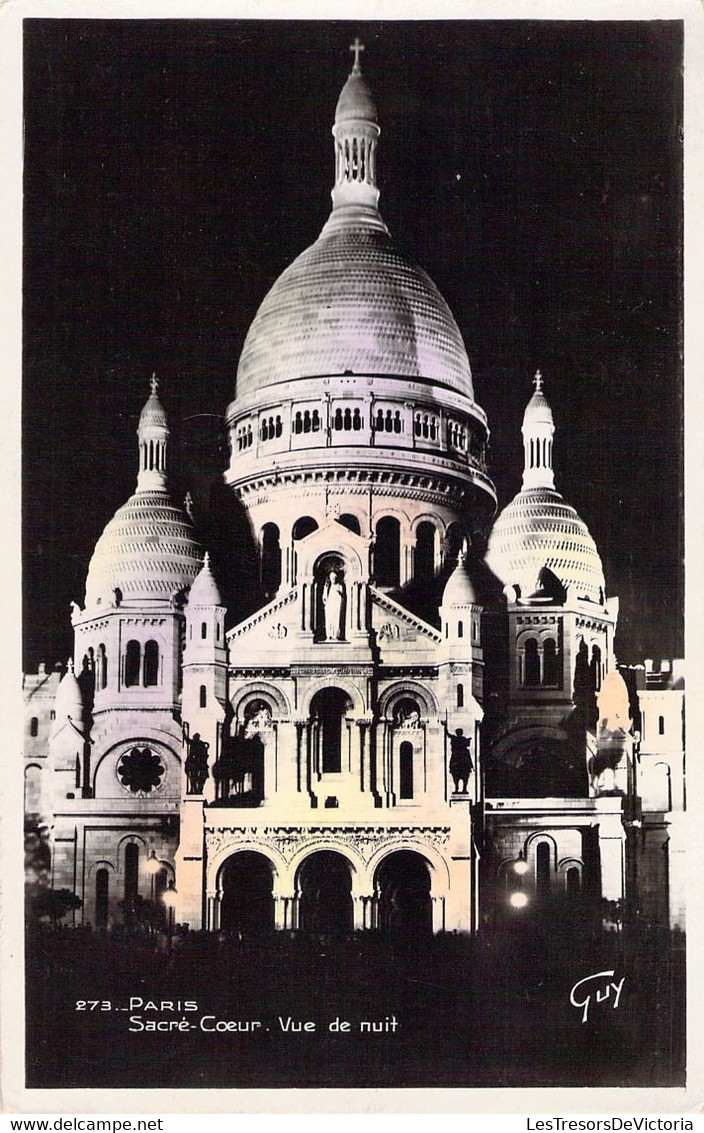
{"x":438,"y":912}
{"x":611,"y":843}
{"x":362,"y":751}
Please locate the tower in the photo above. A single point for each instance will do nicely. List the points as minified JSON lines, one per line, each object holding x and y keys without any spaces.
{"x":125,"y":808}
{"x":561,"y":827}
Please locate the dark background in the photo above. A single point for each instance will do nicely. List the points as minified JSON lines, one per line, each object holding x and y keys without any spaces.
{"x":174,"y":168}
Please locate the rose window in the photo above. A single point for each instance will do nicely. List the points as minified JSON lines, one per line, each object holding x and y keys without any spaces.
{"x":141,"y":771}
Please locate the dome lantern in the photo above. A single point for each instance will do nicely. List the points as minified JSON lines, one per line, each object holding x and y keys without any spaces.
{"x":356,"y":132}
{"x":538,"y":431}
{"x":153,"y":434}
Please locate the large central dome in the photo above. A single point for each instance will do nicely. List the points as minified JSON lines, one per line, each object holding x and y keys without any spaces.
{"x":352,"y":302}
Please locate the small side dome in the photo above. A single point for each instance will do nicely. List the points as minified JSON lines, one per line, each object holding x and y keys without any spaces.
{"x":69,"y":702}
{"x":459,"y":589}
{"x":148,"y":551}
{"x":204,"y":591}
{"x":355,"y":103}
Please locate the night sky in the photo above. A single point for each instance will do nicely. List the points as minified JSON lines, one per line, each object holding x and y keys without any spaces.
{"x":173,"y":169}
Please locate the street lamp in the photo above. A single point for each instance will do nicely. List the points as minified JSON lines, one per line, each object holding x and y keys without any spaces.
{"x":169,"y":898}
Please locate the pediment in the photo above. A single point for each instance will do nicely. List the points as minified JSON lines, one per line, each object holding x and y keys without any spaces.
{"x":270,"y":627}
{"x":333,"y":538}
{"x":397,"y":627}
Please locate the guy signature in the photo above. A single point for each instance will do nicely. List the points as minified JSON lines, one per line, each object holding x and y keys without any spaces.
{"x":587,"y":989}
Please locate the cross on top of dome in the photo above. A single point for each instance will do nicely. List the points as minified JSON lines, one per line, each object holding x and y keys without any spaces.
{"x":538,"y":381}
{"x":357,"y":47}
{"x":154,"y":384}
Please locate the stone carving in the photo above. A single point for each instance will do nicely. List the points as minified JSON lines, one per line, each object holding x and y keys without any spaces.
{"x":390,"y":632}
{"x":278,"y":631}
{"x":259,"y":724}
{"x":365,"y":840}
{"x":333,"y":601}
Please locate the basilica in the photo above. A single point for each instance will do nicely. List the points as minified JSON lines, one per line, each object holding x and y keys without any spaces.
{"x":421,"y":723}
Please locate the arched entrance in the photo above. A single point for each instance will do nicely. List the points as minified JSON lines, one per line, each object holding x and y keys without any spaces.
{"x":328,"y":710}
{"x":402,"y":883}
{"x":324,"y":884}
{"x":247,"y":904}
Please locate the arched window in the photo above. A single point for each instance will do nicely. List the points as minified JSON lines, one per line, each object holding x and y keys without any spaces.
{"x":532,"y":663}
{"x":102,"y":892}
{"x":151,"y":664}
{"x":387,"y":551}
{"x":350,"y":522}
{"x":424,"y":556}
{"x":596,"y":668}
{"x":203,"y":696}
{"x":551,"y":675}
{"x":405,"y":778}
{"x":271,"y":558}
{"x":133,"y":657}
{"x":203,"y":630}
{"x":460,"y":696}
{"x":661,"y":726}
{"x":131,"y":873}
{"x":34,"y":726}
{"x":542,"y":869}
{"x":102,"y":668}
{"x":453,"y":541}
{"x":304,"y":526}
{"x":460,"y":629}
{"x":573,"y":882}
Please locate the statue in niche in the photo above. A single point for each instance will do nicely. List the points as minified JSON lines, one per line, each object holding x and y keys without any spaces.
{"x":259,"y":723}
{"x":407,"y":715}
{"x":333,"y":600}
{"x":196,"y":764}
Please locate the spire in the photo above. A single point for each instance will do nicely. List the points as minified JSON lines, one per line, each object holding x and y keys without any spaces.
{"x":538,"y":431}
{"x":356,"y":132}
{"x":153,"y":434}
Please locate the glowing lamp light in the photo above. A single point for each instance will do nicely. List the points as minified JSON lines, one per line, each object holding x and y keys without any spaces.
{"x":518,"y":900}
{"x":520,"y":867}
{"x":152,"y":864}
{"x":169,"y":896}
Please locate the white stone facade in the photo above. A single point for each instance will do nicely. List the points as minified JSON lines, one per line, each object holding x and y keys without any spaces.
{"x":342,"y":759}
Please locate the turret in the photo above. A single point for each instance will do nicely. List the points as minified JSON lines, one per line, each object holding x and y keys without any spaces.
{"x":204,"y":674}
{"x":67,"y":741}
